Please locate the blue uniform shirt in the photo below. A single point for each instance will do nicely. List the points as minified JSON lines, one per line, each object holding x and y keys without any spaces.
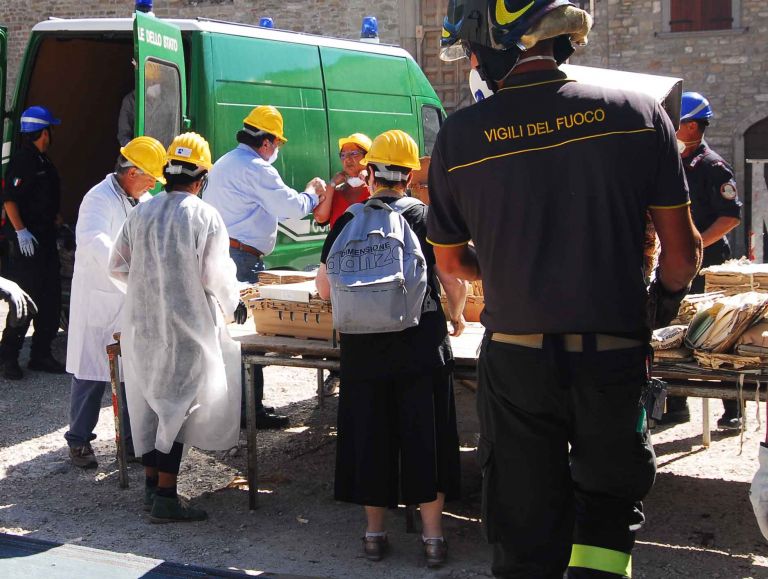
{"x":251,"y":197}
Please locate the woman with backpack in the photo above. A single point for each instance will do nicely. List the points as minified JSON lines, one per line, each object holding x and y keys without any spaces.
{"x":397,"y":437}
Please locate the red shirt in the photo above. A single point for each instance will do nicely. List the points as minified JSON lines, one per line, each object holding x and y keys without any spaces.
{"x":344,"y":198}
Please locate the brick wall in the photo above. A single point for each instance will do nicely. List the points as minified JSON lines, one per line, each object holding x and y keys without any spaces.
{"x":729,"y":67}
{"x":329,"y":17}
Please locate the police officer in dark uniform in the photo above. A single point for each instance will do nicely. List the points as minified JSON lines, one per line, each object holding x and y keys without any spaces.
{"x":31,"y":203}
{"x":552,"y":180}
{"x":716,"y":211}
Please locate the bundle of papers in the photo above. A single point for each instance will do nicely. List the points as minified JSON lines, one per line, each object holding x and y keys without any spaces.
{"x":718,"y":327}
{"x":736,"y":276}
{"x":290,"y":292}
{"x":710,"y":360}
{"x":692,"y":304}
{"x":668,"y":338}
{"x":285,"y":276}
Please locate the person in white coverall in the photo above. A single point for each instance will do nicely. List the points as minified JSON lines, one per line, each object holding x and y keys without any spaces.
{"x":96,"y":301}
{"x":182,"y":370}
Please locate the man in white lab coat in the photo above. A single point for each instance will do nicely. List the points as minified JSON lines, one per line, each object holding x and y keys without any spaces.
{"x":96,"y":301}
{"x":182,"y":370}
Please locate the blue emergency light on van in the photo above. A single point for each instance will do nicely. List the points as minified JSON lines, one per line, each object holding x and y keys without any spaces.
{"x":266,"y":22}
{"x":370,"y":28}
{"x":143,"y":5}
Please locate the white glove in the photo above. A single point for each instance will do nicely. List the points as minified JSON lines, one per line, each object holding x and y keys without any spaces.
{"x":758,"y":492}
{"x":21,"y":306}
{"x":26,"y":242}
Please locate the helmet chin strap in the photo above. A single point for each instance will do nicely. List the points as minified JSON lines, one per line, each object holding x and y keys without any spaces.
{"x":532,"y":58}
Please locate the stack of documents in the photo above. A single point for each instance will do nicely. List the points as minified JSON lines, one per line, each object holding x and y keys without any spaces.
{"x":718,"y":327}
{"x":285,"y":276}
{"x":735,"y":276}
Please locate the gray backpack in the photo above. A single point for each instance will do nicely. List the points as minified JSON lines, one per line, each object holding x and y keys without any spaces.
{"x":377,"y":271}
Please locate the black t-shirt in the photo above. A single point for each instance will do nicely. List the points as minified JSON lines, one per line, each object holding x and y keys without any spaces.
{"x":415,"y":350}
{"x":551,"y":179}
{"x":32,"y":182}
{"x":713,"y":194}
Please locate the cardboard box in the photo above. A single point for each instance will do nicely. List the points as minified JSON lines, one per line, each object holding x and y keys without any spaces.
{"x":313,"y":320}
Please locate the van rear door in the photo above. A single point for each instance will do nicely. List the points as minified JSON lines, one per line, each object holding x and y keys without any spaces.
{"x":6,"y":146}
{"x":161,"y":90}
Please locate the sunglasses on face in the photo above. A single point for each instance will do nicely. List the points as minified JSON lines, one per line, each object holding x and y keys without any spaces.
{"x":350,"y":154}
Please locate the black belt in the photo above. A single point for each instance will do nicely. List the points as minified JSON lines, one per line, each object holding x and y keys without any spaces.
{"x":235,"y":244}
{"x":571,"y":342}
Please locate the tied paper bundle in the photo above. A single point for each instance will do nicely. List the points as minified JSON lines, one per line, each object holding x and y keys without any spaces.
{"x":717,"y":328}
{"x":668,"y":338}
{"x":278,"y":276}
{"x":692,"y":304}
{"x":736,"y":276}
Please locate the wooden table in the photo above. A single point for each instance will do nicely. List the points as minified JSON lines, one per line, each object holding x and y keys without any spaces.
{"x":258,"y":350}
{"x":681,"y":379}
{"x":689,"y":379}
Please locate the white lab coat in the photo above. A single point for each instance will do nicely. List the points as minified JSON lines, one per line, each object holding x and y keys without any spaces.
{"x":95,"y":302}
{"x":758,"y":491}
{"x":181,"y":368}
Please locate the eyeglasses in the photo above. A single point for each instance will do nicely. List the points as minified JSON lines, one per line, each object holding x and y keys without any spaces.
{"x":354,"y":154}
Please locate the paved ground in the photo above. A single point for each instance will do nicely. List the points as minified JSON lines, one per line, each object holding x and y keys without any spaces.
{"x":700,"y":522}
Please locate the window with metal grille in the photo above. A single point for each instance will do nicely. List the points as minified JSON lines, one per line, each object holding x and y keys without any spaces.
{"x":692,"y":15}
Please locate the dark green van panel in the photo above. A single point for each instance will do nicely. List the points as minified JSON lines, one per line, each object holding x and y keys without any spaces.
{"x":355,"y":104}
{"x":248,"y":72}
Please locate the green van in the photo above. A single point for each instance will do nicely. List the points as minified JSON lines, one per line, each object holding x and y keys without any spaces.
{"x":206,"y":75}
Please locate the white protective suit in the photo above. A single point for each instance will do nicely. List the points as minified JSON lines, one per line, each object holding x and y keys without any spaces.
{"x":758,"y":492}
{"x":96,"y":301}
{"x":182,"y":370}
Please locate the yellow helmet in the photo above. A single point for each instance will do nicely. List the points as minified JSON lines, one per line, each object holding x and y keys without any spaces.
{"x":147,"y":154}
{"x":268,"y":119}
{"x":191,"y":148}
{"x":394,"y":147}
{"x":359,"y":139}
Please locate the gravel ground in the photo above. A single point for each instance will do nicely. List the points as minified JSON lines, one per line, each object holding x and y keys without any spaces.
{"x":700,"y":522}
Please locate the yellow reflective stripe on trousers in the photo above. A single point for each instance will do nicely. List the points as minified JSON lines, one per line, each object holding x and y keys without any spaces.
{"x":601,"y":559}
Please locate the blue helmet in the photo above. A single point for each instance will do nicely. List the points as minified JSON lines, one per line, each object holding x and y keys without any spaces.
{"x":694,"y":107}
{"x":37,"y":118}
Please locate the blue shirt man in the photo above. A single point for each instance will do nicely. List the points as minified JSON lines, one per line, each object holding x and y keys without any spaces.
{"x":251,"y":198}
{"x":250,"y":194}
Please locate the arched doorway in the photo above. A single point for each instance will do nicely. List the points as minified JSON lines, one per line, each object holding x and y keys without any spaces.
{"x":756,"y":189}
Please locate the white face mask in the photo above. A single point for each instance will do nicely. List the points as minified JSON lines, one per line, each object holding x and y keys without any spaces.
{"x":153,"y":91}
{"x":680,"y":146}
{"x":273,"y":158}
{"x":479,"y":88}
{"x":355,"y":182}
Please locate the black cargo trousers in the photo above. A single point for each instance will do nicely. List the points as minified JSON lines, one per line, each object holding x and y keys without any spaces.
{"x":40,"y":277}
{"x":566,"y":458}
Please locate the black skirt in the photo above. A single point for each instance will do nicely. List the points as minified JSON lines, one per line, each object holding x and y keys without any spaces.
{"x":397,"y":439}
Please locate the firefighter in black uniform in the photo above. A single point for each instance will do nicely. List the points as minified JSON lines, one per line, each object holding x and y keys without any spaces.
{"x":31,"y":204}
{"x":716,"y":211}
{"x":551,"y":180}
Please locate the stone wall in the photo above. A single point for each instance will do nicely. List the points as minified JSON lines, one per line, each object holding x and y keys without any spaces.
{"x":337,"y":18}
{"x":729,"y":67}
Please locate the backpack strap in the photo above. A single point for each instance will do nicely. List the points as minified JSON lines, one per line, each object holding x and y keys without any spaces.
{"x":402,"y":204}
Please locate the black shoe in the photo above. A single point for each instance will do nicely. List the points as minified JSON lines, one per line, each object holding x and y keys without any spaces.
{"x":48,"y":364}
{"x":677,"y":415}
{"x":729,"y":422}
{"x":12,"y":370}
{"x":265,"y":420}
{"x":82,"y":456}
{"x":331,"y":385}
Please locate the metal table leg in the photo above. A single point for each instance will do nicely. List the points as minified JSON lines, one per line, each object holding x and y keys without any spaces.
{"x":706,"y":437}
{"x":250,"y":414}
{"x":320,"y":394}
